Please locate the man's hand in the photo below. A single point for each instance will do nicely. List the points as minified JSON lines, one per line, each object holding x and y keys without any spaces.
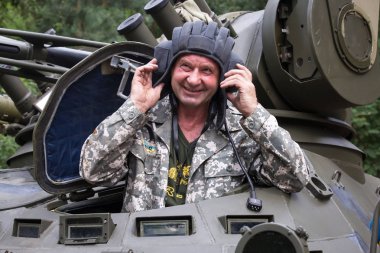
{"x":244,"y":99}
{"x":143,"y":95}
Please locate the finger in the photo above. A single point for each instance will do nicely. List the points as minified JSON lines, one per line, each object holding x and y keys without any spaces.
{"x":237,"y":78}
{"x":151,"y":65}
{"x":240,"y":70}
{"x":233,"y":72}
{"x":154,"y":61}
{"x":233,"y":97}
{"x":147,"y":68}
{"x":241,"y":66}
{"x":234,"y":80}
{"x":238,"y":73}
{"x":230,"y":87}
{"x":157,"y":90}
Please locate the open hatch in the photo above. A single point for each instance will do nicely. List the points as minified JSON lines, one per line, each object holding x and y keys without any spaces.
{"x":80,"y":100}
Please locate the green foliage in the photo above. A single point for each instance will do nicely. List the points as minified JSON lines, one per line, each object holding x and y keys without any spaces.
{"x":93,"y":20}
{"x":7,"y":148}
{"x":366,"y":121}
{"x":223,"y":6}
{"x":16,"y":14}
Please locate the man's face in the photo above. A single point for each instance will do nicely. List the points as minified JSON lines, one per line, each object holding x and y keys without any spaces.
{"x":195,"y":80}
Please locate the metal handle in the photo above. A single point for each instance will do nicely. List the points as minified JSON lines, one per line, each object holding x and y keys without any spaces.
{"x":129,"y":67}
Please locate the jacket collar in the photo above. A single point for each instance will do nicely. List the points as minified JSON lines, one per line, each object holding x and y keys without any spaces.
{"x":209,"y":143}
{"x":161,"y":113}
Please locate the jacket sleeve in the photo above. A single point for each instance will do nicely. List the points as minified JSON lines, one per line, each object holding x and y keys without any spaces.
{"x":103,"y":154}
{"x":281,"y":161}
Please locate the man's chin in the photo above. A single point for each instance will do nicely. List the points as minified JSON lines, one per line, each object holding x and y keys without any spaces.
{"x":191,"y":103}
{"x":194,"y":104}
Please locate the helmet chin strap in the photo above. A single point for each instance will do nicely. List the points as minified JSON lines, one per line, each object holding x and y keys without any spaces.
{"x":220,"y":104}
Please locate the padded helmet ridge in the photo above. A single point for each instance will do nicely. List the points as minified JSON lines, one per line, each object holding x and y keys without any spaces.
{"x":199,"y":38}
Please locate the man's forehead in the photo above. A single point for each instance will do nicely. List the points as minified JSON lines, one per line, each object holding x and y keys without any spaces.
{"x":196,"y":57}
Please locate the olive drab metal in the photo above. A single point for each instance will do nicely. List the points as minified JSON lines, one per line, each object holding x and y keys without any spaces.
{"x":311,"y":60}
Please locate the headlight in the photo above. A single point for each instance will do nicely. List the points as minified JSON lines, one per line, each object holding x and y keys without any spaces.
{"x":272,"y":238}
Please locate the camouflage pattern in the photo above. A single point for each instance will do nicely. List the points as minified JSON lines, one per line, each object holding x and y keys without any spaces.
{"x":121,"y":147}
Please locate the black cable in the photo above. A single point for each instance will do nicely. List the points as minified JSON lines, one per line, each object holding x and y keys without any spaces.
{"x":253,"y":203}
{"x":239,"y":161}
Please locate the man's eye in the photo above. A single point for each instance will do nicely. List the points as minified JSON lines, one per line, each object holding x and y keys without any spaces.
{"x":207,"y":71}
{"x":186,"y":66}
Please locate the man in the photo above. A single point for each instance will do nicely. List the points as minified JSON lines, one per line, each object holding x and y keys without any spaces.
{"x":176,"y":150}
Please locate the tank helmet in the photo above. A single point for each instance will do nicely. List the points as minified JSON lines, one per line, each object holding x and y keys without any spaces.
{"x":203,"y":39}
{"x":197,"y":38}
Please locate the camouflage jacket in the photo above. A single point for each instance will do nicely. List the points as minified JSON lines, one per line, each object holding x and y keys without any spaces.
{"x":135,"y":146}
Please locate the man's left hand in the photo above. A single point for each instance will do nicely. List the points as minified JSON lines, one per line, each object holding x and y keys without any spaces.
{"x":244,"y":99}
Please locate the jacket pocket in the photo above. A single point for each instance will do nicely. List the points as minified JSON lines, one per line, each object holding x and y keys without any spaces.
{"x":218,"y":168}
{"x":222,"y":178}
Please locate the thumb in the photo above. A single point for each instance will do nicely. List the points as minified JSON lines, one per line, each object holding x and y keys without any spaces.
{"x":159,"y":87}
{"x":231,"y":96}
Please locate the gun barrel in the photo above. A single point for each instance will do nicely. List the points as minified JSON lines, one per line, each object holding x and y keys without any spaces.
{"x":134,"y":29}
{"x":65,"y":57}
{"x":21,"y":96}
{"x":33,"y":65}
{"x":164,"y":14}
{"x":43,"y":38}
{"x":15,"y":49}
{"x":8,"y":110}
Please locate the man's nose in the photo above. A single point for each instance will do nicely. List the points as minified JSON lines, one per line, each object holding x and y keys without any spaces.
{"x":194,"y":77}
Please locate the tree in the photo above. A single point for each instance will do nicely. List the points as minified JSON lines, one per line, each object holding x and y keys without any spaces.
{"x":7,"y":148}
{"x":92,"y":20}
{"x":366,"y":122}
{"x":223,"y":6}
{"x":16,"y":14}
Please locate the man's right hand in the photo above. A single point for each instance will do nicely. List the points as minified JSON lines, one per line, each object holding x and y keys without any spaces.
{"x":143,"y":95}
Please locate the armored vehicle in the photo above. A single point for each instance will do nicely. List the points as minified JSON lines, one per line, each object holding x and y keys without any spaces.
{"x":312,"y":61}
